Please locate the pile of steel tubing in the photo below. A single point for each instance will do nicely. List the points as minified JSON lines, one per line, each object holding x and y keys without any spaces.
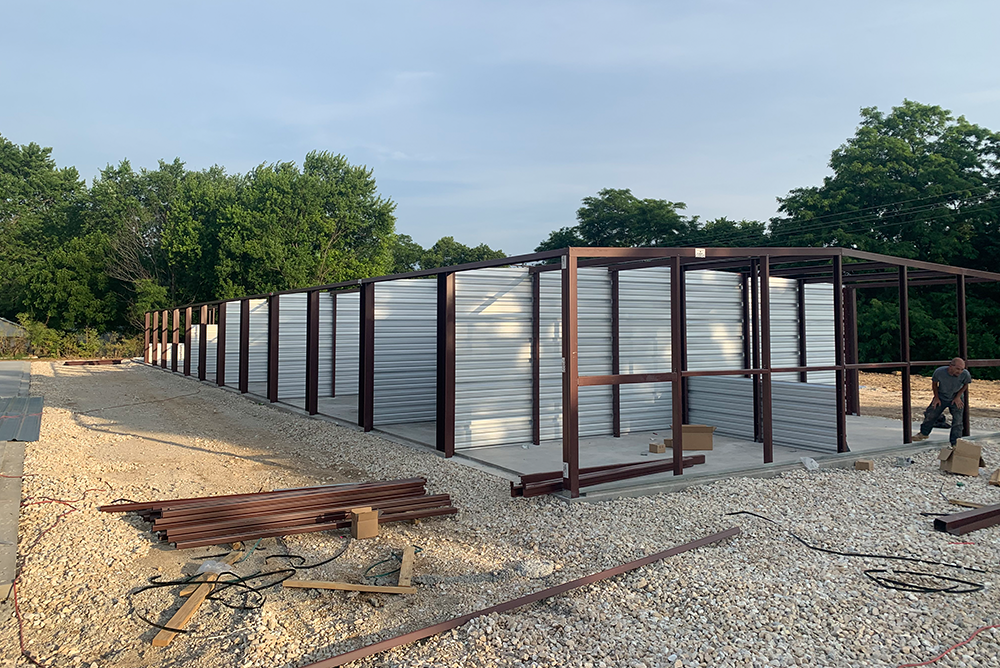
{"x":213,"y":520}
{"x":536,"y":484}
{"x":959,"y":524}
{"x":92,"y":362}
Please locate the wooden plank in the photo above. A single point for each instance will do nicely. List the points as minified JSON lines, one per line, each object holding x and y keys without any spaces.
{"x":965,"y":504}
{"x":406,"y":568}
{"x":345,"y":586}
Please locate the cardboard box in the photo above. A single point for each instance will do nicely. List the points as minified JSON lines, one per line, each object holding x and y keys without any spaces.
{"x":995,"y":478}
{"x":659,"y":448}
{"x":696,"y":437}
{"x":364,"y":523}
{"x":864,"y":465}
{"x":964,"y":459}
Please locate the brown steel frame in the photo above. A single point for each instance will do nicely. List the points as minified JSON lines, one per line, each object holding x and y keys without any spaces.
{"x":756,"y":265}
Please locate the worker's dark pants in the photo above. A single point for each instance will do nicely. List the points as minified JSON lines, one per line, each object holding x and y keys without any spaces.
{"x":935,"y":412}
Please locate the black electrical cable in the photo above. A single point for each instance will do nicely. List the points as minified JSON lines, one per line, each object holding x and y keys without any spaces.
{"x":302,"y":560}
{"x":889,"y":583}
{"x":914,"y":560}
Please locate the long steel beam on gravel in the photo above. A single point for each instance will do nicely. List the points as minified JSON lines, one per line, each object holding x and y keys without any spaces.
{"x":552,"y":484}
{"x":434,"y":630}
{"x":962,"y":523}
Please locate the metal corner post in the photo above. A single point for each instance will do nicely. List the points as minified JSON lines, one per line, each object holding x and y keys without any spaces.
{"x":838,"y":339}
{"x":176,"y":342}
{"x":686,"y":418}
{"x":851,"y":350}
{"x":333,"y":347}
{"x":220,"y":345}
{"x":164,"y":335}
{"x":570,"y":376}
{"x":904,"y":352}
{"x":145,"y":338}
{"x":536,"y":359}
{"x":445,"y":415}
{"x":676,"y":386}
{"x":963,"y":343}
{"x":366,"y":358}
{"x":273,"y":331}
{"x":616,"y":390}
{"x":188,"y":314}
{"x":766,"y":407}
{"x":312,"y":352}
{"x":202,"y":342}
{"x":755,"y":346}
{"x":244,"y":378}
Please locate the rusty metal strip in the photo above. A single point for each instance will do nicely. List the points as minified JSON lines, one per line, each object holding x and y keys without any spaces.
{"x":434,"y":630}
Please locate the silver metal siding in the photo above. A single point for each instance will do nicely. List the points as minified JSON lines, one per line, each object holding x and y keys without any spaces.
{"x":804,"y":415}
{"x":195,"y":349}
{"x":257,"y":356}
{"x":292,"y":345}
{"x":348,"y":343}
{"x":211,"y":348}
{"x":492,"y":357}
{"x":820,"y":341}
{"x":644,"y":346}
{"x":325,"y":344}
{"x":725,"y":402}
{"x":232,"y":344}
{"x":405,"y":351}
{"x":784,"y":326}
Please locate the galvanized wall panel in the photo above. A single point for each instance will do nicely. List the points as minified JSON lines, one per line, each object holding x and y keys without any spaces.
{"x":211,"y":349}
{"x":784,"y":326}
{"x":232,"y":343}
{"x":725,"y":402}
{"x":325,"y":344}
{"x":804,"y":415}
{"x":348,"y":343}
{"x":292,"y":345}
{"x":195,"y":349}
{"x":644,"y":346}
{"x":257,"y":355}
{"x":405,"y":351}
{"x":820,"y":340}
{"x":492,"y":357}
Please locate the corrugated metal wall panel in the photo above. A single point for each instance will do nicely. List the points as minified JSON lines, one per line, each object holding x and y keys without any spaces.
{"x":492,"y":357}
{"x":257,"y":355}
{"x":723,"y":402}
{"x":195,"y":349}
{"x":325,"y":344}
{"x":405,"y":351}
{"x":292,"y":345}
{"x":820,"y":341}
{"x":594,"y":351}
{"x":348,"y":343}
{"x":804,"y":415}
{"x":211,"y":348}
{"x":232,"y":343}
{"x":784,"y":326}
{"x":644,"y":346}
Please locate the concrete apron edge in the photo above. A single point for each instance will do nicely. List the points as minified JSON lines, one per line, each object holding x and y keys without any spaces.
{"x":11,"y":464}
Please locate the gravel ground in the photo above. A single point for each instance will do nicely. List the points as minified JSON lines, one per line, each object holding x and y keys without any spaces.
{"x":761,"y":599}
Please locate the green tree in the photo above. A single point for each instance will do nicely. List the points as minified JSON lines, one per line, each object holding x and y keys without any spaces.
{"x":447,"y":252}
{"x":406,"y":254}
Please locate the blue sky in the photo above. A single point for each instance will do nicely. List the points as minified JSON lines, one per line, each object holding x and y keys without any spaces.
{"x":490,"y":121}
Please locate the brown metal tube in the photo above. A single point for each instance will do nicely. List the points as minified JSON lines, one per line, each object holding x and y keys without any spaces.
{"x":676,"y":365}
{"x":904,"y":353}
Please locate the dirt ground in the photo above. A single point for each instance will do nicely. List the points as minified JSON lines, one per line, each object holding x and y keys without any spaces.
{"x":881,"y":395}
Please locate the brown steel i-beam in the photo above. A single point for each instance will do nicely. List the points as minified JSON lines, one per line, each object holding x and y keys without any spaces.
{"x":963,"y":344}
{"x":838,"y":339}
{"x":333,"y":347}
{"x":445,"y":414}
{"x":676,"y":366}
{"x":851,"y":349}
{"x":244,"y":380}
{"x":366,"y":370}
{"x":767,"y":428}
{"x":273,"y":332}
{"x":570,"y":376}
{"x":616,"y":396}
{"x":758,"y":432}
{"x":188,"y":313}
{"x":536,"y":359}
{"x":685,"y":412}
{"x":803,"y":350}
{"x":312,"y":352}
{"x":145,"y":354}
{"x":220,"y":346}
{"x":202,"y":342}
{"x":164,"y":334}
{"x":176,"y":342}
{"x":904,"y":353}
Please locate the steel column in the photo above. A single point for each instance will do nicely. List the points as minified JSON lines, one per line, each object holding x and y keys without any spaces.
{"x":220,"y":346}
{"x":676,"y":386}
{"x":904,"y":353}
{"x":445,"y":416}
{"x":851,"y":349}
{"x":536,"y":359}
{"x":164,"y":334}
{"x":188,"y":313}
{"x":685,"y":418}
{"x":333,"y":346}
{"x":312,"y":352}
{"x":202,"y":342}
{"x":570,"y":376}
{"x":767,"y":428}
{"x":273,"y":332}
{"x":176,"y":339}
{"x":838,"y":342}
{"x":616,"y":395}
{"x":366,"y":371}
{"x":244,"y":380}
{"x":758,"y":433}
{"x":145,"y":350}
{"x":963,"y":345}
{"x":803,"y":352}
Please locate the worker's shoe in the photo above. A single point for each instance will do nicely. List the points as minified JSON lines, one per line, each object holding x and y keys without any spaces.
{"x":920,"y":437}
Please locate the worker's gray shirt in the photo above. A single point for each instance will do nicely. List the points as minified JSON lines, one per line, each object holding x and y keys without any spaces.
{"x":949,"y":385}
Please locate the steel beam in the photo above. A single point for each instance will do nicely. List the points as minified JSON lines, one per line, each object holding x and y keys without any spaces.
{"x":963,"y":345}
{"x":164,"y":336}
{"x":767,"y":427}
{"x":803,"y":350}
{"x":176,"y":339}
{"x":758,"y":430}
{"x":838,"y":339}
{"x":570,"y":376}
{"x":616,"y":394}
{"x":145,"y":338}
{"x":851,"y":349}
{"x":273,"y":334}
{"x":904,"y":353}
{"x":333,"y":351}
{"x":536,"y":359}
{"x":445,"y":415}
{"x":366,"y":358}
{"x":244,"y":380}
{"x":312,"y":352}
{"x":676,"y":365}
{"x":202,"y":342}
{"x":188,"y":320}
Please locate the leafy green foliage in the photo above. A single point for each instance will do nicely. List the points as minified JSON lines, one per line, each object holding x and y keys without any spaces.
{"x":446,"y":252}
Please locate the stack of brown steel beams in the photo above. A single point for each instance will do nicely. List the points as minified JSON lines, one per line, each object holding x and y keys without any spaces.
{"x":536,"y":484}
{"x":959,"y":524}
{"x":213,"y":520}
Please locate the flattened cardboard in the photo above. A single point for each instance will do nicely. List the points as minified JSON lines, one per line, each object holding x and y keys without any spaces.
{"x":995,"y":478}
{"x":964,"y":459}
{"x":696,"y":437}
{"x":864,"y":465}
